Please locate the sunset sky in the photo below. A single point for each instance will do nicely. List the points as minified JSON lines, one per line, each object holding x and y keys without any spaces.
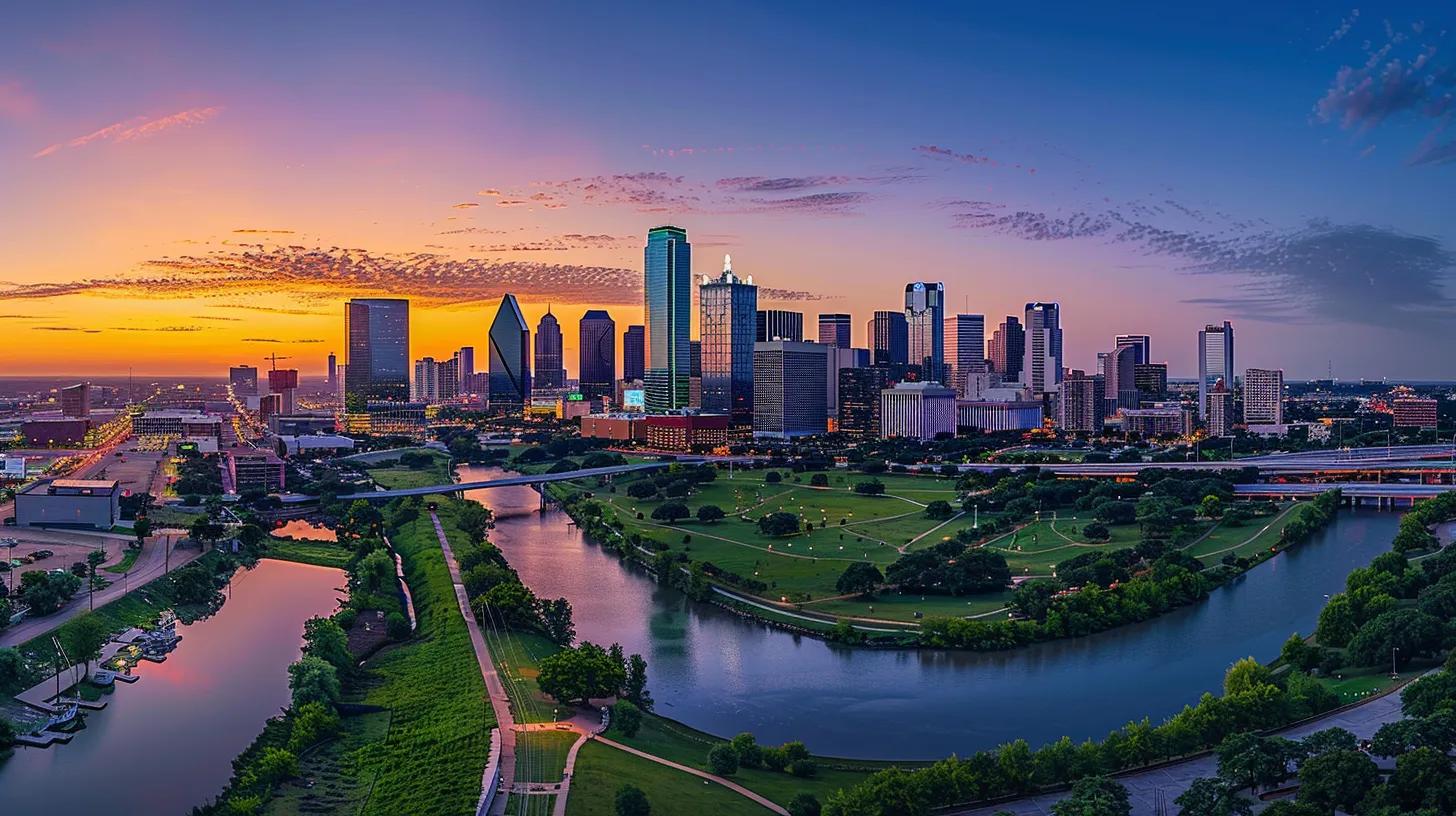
{"x":190,"y":187}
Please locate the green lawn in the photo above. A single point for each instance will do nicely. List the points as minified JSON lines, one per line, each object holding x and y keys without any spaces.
{"x":601,"y":770}
{"x":541,"y":755}
{"x":128,"y":558}
{"x":323,"y":786}
{"x":516,"y":655}
{"x":320,"y":553}
{"x":1354,"y":684}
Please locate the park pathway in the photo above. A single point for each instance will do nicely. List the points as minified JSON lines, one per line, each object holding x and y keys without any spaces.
{"x":730,"y":785}
{"x":499,"y":702}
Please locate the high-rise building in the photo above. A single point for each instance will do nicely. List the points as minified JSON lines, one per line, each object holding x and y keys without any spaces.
{"x":1414,"y":412}
{"x":1141,"y":342}
{"x":1264,"y":396}
{"x":244,"y":380}
{"x":1220,"y":405}
{"x":1082,"y":403}
{"x":426,"y":384}
{"x":597,"y":354}
{"x":965,"y":348}
{"x":667,"y":305}
{"x":779,"y":324}
{"x":634,"y":353}
{"x":695,"y":373}
{"x":1008,"y":347}
{"x":1151,"y":379}
{"x":465,"y":369}
{"x":376,"y":356}
{"x":1041,"y":369}
{"x":550,"y":370}
{"x":1151,"y":423}
{"x":1215,"y":361}
{"x":917,"y":410}
{"x":76,"y":401}
{"x":859,"y":400}
{"x":1120,"y":379}
{"x":510,"y":349}
{"x":925,"y":328}
{"x":840,"y":359}
{"x":834,"y":330}
{"x":333,"y":380}
{"x":727,"y":322}
{"x":284,"y":383}
{"x":789,"y":389}
{"x":889,"y":337}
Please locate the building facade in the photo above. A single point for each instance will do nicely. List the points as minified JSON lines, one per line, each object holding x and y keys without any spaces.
{"x":510,"y":349}
{"x":244,"y":380}
{"x":686,"y":431}
{"x":1008,"y":349}
{"x":1120,"y":379}
{"x":859,"y":400}
{"x":834,"y":330}
{"x":728,"y":323}
{"x":596,"y":354}
{"x":1151,"y":423}
{"x":1264,"y":396}
{"x":550,"y":367}
{"x":965,"y":348}
{"x":789,"y":389}
{"x":76,"y":401}
{"x":634,"y":353}
{"x":376,"y":355}
{"x":1151,"y":380}
{"x":76,"y":503}
{"x":1141,"y":343}
{"x":1220,"y":405}
{"x":1042,"y":363}
{"x":1083,"y":403}
{"x":925,"y":328}
{"x":1215,"y":361}
{"x":917,"y":410}
{"x":889,"y":338}
{"x":1414,"y":412}
{"x":995,"y":416}
{"x":667,"y":305}
{"x":779,"y":324}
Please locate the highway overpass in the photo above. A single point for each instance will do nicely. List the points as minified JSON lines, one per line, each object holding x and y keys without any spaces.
{"x":511,"y":481}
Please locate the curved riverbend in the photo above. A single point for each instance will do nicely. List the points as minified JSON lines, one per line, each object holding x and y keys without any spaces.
{"x":724,"y":674}
{"x":167,"y":742}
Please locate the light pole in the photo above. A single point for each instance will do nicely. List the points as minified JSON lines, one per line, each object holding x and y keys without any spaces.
{"x":1393,"y":672}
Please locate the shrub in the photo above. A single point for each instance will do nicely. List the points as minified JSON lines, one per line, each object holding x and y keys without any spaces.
{"x":627,"y":717}
{"x":396,"y":625}
{"x":723,"y":760}
{"x":631,"y":801}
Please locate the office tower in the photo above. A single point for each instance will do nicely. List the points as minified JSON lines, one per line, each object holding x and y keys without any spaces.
{"x":376,"y":354}
{"x":925,"y":327}
{"x":840,"y":359}
{"x":965,"y":348}
{"x":1008,"y":347}
{"x":550,"y":371}
{"x":859,"y":399}
{"x":695,"y":373}
{"x":1141,"y":342}
{"x":917,"y":410}
{"x":76,"y":401}
{"x":465,"y":369}
{"x":1120,"y":379}
{"x":1414,"y":412}
{"x":779,"y":324}
{"x":1220,"y":407}
{"x":789,"y":389}
{"x":426,"y":384}
{"x":1151,"y":379}
{"x":667,"y":304}
{"x":1042,"y":363}
{"x":1082,"y":402}
{"x":597,"y":354}
{"x":634,"y":353}
{"x":889,"y":338}
{"x":510,"y":349}
{"x":1264,"y":396}
{"x":834,"y":330}
{"x":244,"y":380}
{"x":333,"y":380}
{"x":1215,"y":361}
{"x":728,"y":320}
{"x":284,"y":382}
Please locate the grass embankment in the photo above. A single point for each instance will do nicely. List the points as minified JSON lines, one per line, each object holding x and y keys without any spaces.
{"x":128,"y":558}
{"x":600,"y":770}
{"x":318,"y":553}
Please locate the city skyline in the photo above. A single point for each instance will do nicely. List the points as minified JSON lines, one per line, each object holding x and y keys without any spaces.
{"x":217,"y":218}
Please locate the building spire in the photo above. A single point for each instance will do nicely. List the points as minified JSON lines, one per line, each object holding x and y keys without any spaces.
{"x":727,"y":262}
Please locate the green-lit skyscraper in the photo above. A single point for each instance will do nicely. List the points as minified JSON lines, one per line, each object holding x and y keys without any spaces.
{"x":667,"y":313}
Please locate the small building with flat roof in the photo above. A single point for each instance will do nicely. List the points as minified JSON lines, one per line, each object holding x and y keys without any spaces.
{"x":93,"y":504}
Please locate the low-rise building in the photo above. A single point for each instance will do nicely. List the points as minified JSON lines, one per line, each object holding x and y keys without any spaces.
{"x":616,"y":427}
{"x":312,"y":443}
{"x":93,"y":504}
{"x":1414,"y":412}
{"x":1155,"y":422}
{"x":255,"y":470}
{"x":991,"y":416}
{"x":917,"y":410}
{"x":169,"y":422}
{"x":686,"y":431}
{"x":55,"y":433}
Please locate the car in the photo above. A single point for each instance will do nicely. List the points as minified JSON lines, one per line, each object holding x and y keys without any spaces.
{"x":41,"y":555}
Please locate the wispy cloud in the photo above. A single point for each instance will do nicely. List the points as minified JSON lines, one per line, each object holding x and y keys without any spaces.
{"x":1342,"y":29}
{"x":139,"y":127}
{"x":263,"y":231}
{"x":761,"y":184}
{"x":940,"y":153}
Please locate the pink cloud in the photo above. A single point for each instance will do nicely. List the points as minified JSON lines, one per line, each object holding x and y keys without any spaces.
{"x":139,"y":127}
{"x":16,"y":101}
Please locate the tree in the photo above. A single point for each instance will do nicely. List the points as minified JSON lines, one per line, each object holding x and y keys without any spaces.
{"x":141,"y":528}
{"x":1094,"y":796}
{"x":273,"y":766}
{"x":46,"y":592}
{"x":1210,"y":507}
{"x":1096,"y":532}
{"x":859,"y":578}
{"x":723,"y":760}
{"x":251,"y":537}
{"x":475,"y":520}
{"x":710,"y":513}
{"x":627,"y":718}
{"x":1337,"y":779}
{"x":512,"y":603}
{"x":1246,"y":675}
{"x":94,"y":559}
{"x":84,"y":637}
{"x":634,"y":688}
{"x":643,"y":489}
{"x":1337,"y":622}
{"x":556,"y":621}
{"x":205,"y":531}
{"x":772,"y":477}
{"x":750,"y":754}
{"x":11,"y":665}
{"x":373,"y":575}
{"x":577,"y":675}
{"x":631,"y":801}
{"x":1409,"y":632}
{"x":939,"y":510}
{"x":1212,"y":797}
{"x":325,"y":639}
{"x":778,"y":524}
{"x":1248,"y":760}
{"x":819,"y":480}
{"x":670,"y":512}
{"x":313,"y":680}
{"x":396,"y":625}
{"x":804,"y":804}
{"x":311,"y":722}
{"x":870,"y":487}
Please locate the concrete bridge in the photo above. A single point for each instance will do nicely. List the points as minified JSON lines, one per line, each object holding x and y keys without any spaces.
{"x":1388,"y":494}
{"x":511,"y":481}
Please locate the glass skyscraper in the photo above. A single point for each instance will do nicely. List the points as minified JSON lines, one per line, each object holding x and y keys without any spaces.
{"x":634,"y":353}
{"x":727,"y":321}
{"x":925,"y":327}
{"x":1215,"y":361}
{"x":834,"y":330}
{"x":1042,"y":369}
{"x":550,"y":368}
{"x":376,"y":351}
{"x":597,"y":354}
{"x":889,"y":341}
{"x":667,"y":307}
{"x":510,"y":349}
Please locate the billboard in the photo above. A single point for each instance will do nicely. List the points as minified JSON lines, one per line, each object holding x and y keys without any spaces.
{"x":12,"y":467}
{"x":634,"y":398}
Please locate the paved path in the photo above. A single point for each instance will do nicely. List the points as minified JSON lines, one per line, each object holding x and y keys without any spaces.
{"x":150,"y":565}
{"x":1143,"y":786}
{"x":499,"y":702}
{"x":730,"y":785}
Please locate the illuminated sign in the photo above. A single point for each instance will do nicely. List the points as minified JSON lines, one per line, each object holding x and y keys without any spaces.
{"x":634,"y":398}
{"x":574,"y":397}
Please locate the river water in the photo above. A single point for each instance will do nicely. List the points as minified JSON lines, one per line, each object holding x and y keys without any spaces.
{"x":724,"y":674}
{"x":167,"y":742}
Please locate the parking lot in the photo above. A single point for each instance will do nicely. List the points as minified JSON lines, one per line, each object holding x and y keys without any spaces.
{"x":66,"y":548}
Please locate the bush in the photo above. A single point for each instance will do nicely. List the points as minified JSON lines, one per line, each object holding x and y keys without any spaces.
{"x":819,"y":480}
{"x":870,"y":487}
{"x":803,"y":768}
{"x":396,"y":625}
{"x":772,"y":477}
{"x":631,"y":801}
{"x":804,"y":804}
{"x":627,"y":717}
{"x":723,"y":760}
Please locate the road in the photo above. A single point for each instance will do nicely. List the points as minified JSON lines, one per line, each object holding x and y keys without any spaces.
{"x":150,"y":565}
{"x":509,"y":481}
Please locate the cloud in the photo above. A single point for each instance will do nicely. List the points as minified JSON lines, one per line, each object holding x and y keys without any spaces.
{"x":16,"y":100}
{"x":159,"y":328}
{"x":276,"y":340}
{"x":136,"y":128}
{"x":946,"y":154}
{"x":66,"y":329}
{"x":813,"y":204}
{"x":264,"y":231}
{"x":1341,"y":30}
{"x":760,"y":184}
{"x":465,"y":205}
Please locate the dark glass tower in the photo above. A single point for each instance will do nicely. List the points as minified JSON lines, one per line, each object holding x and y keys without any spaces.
{"x":597,"y":350}
{"x":1008,"y":347}
{"x":727,"y":308}
{"x":634,"y":352}
{"x":780,"y":324}
{"x":834,"y":330}
{"x":550,"y":368}
{"x":376,"y":354}
{"x":510,"y":348}
{"x":925,"y":327}
{"x":667,"y":308}
{"x":889,"y":338}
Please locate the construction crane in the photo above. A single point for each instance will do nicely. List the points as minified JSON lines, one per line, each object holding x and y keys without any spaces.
{"x":274,"y":358}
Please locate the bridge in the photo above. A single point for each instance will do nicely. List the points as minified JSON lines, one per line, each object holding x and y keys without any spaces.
{"x":1388,"y":494}
{"x":512,"y":481}
{"x":1437,"y":460}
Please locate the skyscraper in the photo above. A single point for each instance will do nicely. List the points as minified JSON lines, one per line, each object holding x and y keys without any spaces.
{"x":376,"y":356}
{"x":1082,"y":404}
{"x":597,"y":354}
{"x":727,"y":321}
{"x":1008,"y":347}
{"x":1264,"y":396}
{"x":465,"y":369}
{"x":1120,"y":376}
{"x":1141,"y":342}
{"x":1215,"y":361}
{"x":779,"y":324}
{"x":1042,"y":367}
{"x":965,"y":345}
{"x":834,"y":330}
{"x":666,"y":306}
{"x":789,"y":389}
{"x":1220,"y":405}
{"x":925,"y":324}
{"x":333,"y":381}
{"x":550,"y":369}
{"x":510,"y":348}
{"x":76,"y":401}
{"x":634,"y":352}
{"x":889,"y":338}
{"x":244,"y":380}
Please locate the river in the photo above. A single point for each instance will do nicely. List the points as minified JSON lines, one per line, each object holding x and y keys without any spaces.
{"x":167,"y":742}
{"x":723,"y":674}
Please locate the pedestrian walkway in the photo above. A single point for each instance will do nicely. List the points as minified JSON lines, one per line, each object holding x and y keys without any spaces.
{"x":730,"y":785}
